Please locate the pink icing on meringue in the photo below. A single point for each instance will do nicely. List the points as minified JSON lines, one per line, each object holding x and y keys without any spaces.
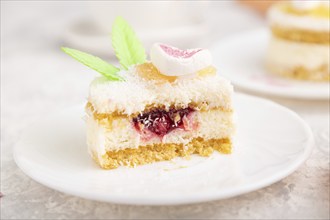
{"x":177,"y":53}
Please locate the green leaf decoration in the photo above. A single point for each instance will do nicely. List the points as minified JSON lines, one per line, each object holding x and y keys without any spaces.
{"x":127,"y":46}
{"x":95,"y":63}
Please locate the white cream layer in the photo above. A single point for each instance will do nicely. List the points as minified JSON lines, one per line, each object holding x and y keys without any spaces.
{"x":288,"y":54}
{"x":134,"y":94}
{"x":212,"y":124}
{"x":277,"y":17}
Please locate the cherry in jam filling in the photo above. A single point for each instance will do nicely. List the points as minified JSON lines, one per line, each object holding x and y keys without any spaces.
{"x":162,"y":122}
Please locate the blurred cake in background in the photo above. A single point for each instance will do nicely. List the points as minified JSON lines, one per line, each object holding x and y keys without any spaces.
{"x":299,"y":47}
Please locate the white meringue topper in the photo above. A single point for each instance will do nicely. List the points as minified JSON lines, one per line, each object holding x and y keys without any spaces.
{"x":308,"y":4}
{"x":171,"y":61}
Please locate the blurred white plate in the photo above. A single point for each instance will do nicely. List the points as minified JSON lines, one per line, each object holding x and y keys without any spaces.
{"x":240,"y":59}
{"x":271,"y":143}
{"x":85,"y":36}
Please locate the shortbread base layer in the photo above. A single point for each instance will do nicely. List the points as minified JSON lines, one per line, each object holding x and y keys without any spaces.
{"x":162,"y":152}
{"x":297,"y":60}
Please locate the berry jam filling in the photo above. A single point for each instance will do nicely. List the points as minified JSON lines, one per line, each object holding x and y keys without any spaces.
{"x":162,"y":122}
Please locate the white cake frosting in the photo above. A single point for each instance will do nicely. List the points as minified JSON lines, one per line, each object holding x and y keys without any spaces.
{"x":172,"y":61}
{"x":278,"y":17}
{"x":295,"y":54}
{"x":135,"y":93}
{"x":283,"y":55}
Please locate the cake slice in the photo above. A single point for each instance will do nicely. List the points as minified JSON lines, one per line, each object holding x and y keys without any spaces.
{"x":143,"y":120}
{"x":172,"y":106}
{"x":299,"y":47}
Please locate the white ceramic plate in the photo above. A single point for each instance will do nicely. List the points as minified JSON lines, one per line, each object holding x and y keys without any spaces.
{"x":240,"y":58}
{"x":270,"y":144}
